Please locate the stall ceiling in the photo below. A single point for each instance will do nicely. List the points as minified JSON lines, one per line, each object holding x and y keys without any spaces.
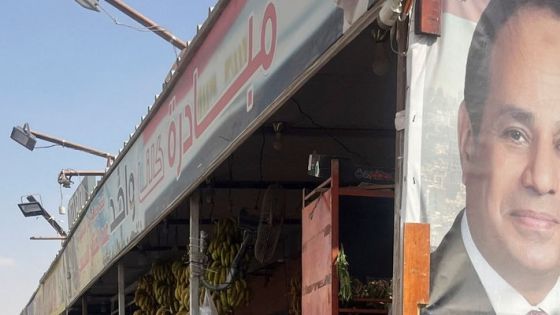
{"x":345,"y":110}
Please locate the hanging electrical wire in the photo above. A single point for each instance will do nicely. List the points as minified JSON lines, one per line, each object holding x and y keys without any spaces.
{"x":325,"y":129}
{"x":154,"y":28}
{"x":46,"y":146}
{"x":136,"y":28}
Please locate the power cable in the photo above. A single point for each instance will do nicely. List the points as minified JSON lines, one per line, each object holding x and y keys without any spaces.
{"x":136,"y":28}
{"x":139,"y":29}
{"x":46,"y":146}
{"x":335,"y":139}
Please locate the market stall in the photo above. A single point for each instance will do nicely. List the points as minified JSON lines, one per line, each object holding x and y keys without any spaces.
{"x":228,"y":149}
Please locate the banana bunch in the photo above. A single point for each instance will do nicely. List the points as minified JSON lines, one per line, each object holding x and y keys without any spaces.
{"x":164,"y":290}
{"x":227,"y":300}
{"x":163,"y":287}
{"x":164,"y":294}
{"x":222,"y":250}
{"x":162,"y":272}
{"x":144,"y":301}
{"x":182,"y":295}
{"x":295,"y":296}
{"x":162,"y":310}
{"x":143,"y":297}
{"x":181,"y":272}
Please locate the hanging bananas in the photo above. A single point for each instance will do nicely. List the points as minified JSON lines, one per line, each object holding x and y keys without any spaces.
{"x":165,"y":289}
{"x":144,"y":297}
{"x":222,"y":251}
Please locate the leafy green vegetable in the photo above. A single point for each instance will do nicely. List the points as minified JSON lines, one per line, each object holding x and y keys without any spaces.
{"x":345,"y":289}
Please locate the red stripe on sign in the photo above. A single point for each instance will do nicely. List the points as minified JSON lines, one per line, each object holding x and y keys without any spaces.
{"x":466,"y":9}
{"x":199,"y":61}
{"x":154,"y":122}
{"x":262,"y":59}
{"x":214,"y":38}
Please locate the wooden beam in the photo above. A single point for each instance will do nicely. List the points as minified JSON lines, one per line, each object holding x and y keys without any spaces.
{"x":416,"y":271}
{"x":364,"y":192}
{"x":335,"y":220}
{"x":428,"y":17}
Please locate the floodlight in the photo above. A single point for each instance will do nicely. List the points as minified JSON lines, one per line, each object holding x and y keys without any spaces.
{"x":31,"y":209}
{"x":23,"y":136}
{"x":89,"y":4}
{"x":27,"y":138}
{"x":65,"y":176}
{"x":138,"y":17}
{"x":34,"y":208}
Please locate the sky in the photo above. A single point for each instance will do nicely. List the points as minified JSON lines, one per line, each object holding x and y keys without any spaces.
{"x":74,"y":74}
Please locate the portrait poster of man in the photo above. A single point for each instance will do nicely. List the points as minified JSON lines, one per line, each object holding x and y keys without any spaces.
{"x":483,"y":156}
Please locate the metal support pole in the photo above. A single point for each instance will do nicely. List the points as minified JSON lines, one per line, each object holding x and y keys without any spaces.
{"x":54,"y":224}
{"x":47,"y":238}
{"x":120,"y":285}
{"x":84,"y":305}
{"x":65,"y":175}
{"x":194,"y":253}
{"x":151,"y":25}
{"x":398,"y":235}
{"x":67,"y":144}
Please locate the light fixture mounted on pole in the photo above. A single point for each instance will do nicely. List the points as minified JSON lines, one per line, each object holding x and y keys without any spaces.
{"x":34,"y":208}
{"x":27,"y":138}
{"x":138,"y":17}
{"x":65,"y":176}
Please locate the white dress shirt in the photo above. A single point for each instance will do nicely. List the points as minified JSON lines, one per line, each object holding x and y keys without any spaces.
{"x":504,"y":298}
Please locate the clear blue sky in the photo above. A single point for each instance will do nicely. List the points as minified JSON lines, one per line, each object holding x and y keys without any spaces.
{"x":71,"y":73}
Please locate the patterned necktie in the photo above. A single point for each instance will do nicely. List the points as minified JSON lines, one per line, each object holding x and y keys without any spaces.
{"x":537,"y":312}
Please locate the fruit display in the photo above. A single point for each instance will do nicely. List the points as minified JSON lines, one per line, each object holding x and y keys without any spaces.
{"x":181,"y":272}
{"x":373,"y":289}
{"x":221,"y":252}
{"x":371,"y":295}
{"x":144,"y":297}
{"x":164,"y":285}
{"x":164,"y":290}
{"x":345,"y":287}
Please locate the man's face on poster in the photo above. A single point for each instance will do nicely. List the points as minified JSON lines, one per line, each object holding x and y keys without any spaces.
{"x":511,"y":168}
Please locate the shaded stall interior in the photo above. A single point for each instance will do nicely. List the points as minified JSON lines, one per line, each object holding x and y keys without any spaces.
{"x":345,"y":111}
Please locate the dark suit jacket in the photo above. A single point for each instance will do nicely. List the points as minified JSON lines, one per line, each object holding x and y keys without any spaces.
{"x":455,"y":287}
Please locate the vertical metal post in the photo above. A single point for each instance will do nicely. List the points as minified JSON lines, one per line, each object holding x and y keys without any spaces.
{"x":194,"y":252}
{"x":84,"y":305}
{"x":398,"y":238}
{"x":120,"y":285}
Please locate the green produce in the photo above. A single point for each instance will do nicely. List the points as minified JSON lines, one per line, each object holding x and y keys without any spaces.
{"x":345,"y":290}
